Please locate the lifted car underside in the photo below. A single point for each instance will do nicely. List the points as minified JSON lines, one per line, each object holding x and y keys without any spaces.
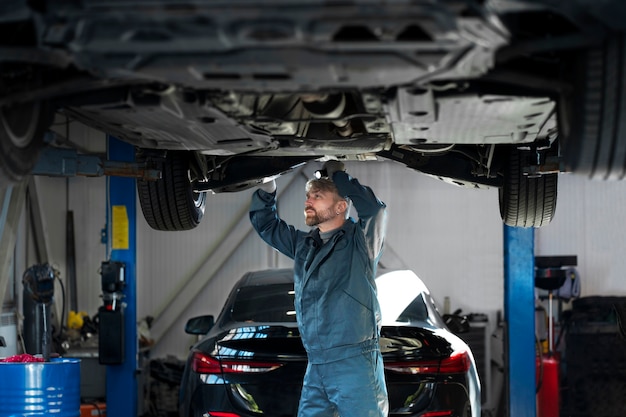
{"x":219,"y":95}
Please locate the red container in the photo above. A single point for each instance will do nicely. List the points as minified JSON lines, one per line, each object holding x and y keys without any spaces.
{"x":97,"y":409}
{"x":548,"y":394}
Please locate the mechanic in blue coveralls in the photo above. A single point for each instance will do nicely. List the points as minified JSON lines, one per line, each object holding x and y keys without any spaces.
{"x":335,"y":293}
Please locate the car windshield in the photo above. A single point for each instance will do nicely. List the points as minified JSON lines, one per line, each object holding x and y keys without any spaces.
{"x":264,"y":304}
{"x":400,"y":301}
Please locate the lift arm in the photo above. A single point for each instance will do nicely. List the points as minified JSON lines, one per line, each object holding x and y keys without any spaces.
{"x":66,"y":162}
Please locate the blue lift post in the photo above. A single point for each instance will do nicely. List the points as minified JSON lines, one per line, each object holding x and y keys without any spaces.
{"x":519,"y":307}
{"x":121,"y":384}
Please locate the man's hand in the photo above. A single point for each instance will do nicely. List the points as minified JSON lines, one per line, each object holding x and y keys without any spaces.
{"x":333,"y":166}
{"x":268,"y":187}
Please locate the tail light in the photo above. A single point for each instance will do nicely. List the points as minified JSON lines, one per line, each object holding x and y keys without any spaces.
{"x":444,"y":413}
{"x":458,"y":362}
{"x":206,"y":364}
{"x":413,"y":368}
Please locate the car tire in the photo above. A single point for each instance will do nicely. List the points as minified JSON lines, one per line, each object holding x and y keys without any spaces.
{"x":594,"y":115}
{"x":22,"y":129}
{"x":170,"y":203}
{"x":526,"y":201}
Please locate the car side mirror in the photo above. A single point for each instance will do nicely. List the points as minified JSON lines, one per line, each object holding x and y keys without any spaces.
{"x":199,"y":325}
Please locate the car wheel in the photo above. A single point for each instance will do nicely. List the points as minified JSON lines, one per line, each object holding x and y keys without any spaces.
{"x":526,"y":201}
{"x":170,"y":203}
{"x":594,"y":115}
{"x":22,"y":128}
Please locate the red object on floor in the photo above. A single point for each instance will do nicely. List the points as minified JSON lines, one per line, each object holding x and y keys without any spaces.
{"x":97,"y":409}
{"x":548,"y":396}
{"x":22,"y":358}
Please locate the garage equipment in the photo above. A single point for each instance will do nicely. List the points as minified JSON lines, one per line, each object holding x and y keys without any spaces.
{"x":550,"y":274}
{"x":595,"y":359}
{"x":38,"y":282}
{"x":519,"y":319}
{"x":111,"y":314}
{"x":122,"y":379}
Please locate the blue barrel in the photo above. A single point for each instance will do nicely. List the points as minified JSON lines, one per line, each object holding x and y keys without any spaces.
{"x":40,"y":388}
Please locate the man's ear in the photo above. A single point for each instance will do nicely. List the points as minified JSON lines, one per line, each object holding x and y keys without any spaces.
{"x":342,"y":206}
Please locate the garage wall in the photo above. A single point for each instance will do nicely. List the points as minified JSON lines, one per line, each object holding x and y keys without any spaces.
{"x":85,"y":198}
{"x":590,"y":223}
{"x":451,"y":237}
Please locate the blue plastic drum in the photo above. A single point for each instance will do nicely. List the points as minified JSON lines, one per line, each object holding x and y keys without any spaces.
{"x":41,"y":388}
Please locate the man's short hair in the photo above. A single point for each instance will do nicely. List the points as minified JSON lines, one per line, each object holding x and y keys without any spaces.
{"x":323,"y":184}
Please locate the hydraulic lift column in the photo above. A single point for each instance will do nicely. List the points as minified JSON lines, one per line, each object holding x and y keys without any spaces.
{"x":519,"y":311}
{"x":122,"y":385}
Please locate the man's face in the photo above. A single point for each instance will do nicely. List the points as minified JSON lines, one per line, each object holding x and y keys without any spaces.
{"x":319,"y":207}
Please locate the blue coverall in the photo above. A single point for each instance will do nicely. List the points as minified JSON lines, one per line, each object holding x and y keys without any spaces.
{"x":335,"y":301}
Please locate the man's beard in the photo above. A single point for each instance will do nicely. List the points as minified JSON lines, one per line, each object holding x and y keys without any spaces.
{"x":318,"y":217}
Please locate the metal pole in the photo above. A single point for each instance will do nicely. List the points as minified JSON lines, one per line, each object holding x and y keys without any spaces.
{"x":519,"y":281}
{"x":121,"y":385}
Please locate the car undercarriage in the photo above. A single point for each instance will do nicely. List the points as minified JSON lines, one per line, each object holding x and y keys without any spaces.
{"x":217,"y":96}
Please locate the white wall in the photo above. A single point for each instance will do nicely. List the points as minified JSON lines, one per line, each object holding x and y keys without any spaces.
{"x":590,"y":223}
{"x":85,"y":198}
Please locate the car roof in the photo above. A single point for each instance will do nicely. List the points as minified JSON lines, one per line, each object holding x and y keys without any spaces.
{"x":285,"y":276}
{"x":266,"y":277}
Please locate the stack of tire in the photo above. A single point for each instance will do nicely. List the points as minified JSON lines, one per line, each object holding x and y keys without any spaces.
{"x":595,"y":358}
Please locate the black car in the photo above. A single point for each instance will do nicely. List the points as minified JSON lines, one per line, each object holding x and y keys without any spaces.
{"x":220,"y":94}
{"x":252,"y":362}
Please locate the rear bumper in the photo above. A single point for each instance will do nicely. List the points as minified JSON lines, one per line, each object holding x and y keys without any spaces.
{"x":412,"y":400}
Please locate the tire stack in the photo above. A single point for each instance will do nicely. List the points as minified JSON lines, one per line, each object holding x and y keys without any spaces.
{"x":165,"y":377}
{"x":595,"y":359}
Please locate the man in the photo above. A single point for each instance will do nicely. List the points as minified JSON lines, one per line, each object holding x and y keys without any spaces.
{"x":335,"y":292}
